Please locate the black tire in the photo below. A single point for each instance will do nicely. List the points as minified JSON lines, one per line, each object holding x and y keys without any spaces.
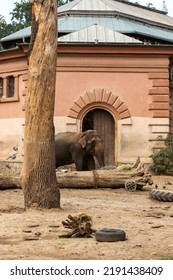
{"x":110,"y":235}
{"x":161,"y":195}
{"x":130,"y":185}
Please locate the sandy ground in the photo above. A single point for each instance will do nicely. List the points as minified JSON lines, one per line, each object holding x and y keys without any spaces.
{"x":34,"y":234}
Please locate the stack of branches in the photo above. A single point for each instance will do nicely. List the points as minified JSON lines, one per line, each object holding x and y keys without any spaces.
{"x":80,"y":226}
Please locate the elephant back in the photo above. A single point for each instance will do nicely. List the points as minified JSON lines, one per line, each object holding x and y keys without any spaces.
{"x":68,"y":136}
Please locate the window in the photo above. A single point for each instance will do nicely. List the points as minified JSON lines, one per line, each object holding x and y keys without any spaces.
{"x":9,"y":88}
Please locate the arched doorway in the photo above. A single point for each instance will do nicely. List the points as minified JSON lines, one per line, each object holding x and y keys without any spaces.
{"x":102,"y":121}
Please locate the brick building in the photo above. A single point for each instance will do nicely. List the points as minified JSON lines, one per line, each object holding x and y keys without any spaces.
{"x":114,"y":74}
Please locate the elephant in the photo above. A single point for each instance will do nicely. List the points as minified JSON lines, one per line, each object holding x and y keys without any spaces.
{"x":85,"y":149}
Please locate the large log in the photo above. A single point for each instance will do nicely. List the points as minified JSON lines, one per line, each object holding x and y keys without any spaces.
{"x":7,"y":182}
{"x":102,"y":179}
{"x":89,"y":179}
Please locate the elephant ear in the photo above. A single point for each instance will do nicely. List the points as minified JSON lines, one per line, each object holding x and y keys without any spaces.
{"x":83,"y":142}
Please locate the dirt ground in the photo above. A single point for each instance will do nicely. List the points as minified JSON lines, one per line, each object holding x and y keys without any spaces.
{"x":34,"y":234}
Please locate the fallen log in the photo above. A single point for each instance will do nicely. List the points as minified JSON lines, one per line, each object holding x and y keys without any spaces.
{"x":7,"y":182}
{"x":102,"y":179}
{"x":90,"y":179}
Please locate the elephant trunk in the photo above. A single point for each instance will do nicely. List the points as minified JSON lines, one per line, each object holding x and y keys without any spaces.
{"x":99,"y":154}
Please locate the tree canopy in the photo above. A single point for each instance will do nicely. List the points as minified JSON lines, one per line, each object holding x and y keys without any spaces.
{"x":3,"y":26}
{"x":20,"y":18}
{"x":21,"y":14}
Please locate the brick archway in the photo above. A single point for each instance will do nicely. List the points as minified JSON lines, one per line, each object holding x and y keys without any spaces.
{"x":99,"y":98}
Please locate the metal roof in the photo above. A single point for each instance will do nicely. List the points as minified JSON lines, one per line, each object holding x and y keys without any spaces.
{"x":73,"y":23}
{"x":23,"y":33}
{"x":97,"y":34}
{"x":89,"y":5}
{"x":126,"y":8}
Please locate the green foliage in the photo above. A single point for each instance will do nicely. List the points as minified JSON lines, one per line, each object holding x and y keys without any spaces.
{"x":21,"y":18}
{"x":163,"y":159}
{"x":169,"y":141}
{"x":21,"y":14}
{"x":3,"y":26}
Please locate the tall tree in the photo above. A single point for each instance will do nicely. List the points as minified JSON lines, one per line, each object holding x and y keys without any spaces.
{"x":3,"y":27}
{"x":21,"y":14}
{"x":21,"y":18}
{"x":38,"y":177}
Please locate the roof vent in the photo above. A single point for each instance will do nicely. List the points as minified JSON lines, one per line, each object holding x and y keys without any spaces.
{"x":164,"y":7}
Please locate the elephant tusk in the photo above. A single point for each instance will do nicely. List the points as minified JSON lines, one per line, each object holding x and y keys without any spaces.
{"x":96,"y":163}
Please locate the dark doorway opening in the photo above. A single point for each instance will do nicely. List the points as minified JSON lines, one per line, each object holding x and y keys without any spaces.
{"x":88,"y":121}
{"x":102,"y":121}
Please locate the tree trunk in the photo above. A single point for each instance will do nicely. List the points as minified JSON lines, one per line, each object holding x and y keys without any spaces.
{"x":38,"y":177}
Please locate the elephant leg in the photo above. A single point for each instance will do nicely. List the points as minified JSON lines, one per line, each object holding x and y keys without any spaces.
{"x":77,"y":157}
{"x":79,"y":165}
{"x":90,"y":163}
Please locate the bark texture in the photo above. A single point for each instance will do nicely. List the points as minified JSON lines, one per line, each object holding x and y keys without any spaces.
{"x":38,"y":177}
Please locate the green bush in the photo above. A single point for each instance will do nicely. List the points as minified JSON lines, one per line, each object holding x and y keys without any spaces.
{"x":163,"y":159}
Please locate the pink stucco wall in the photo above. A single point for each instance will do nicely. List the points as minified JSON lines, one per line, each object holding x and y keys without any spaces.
{"x":126,"y":72}
{"x":123,"y":71}
{"x":123,"y":85}
{"x":138,"y":76}
{"x":13,"y":63}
